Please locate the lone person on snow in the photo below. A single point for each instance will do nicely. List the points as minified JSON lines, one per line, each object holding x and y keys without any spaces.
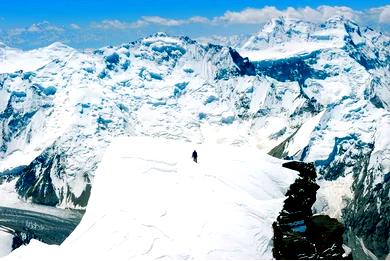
{"x":195,"y":156}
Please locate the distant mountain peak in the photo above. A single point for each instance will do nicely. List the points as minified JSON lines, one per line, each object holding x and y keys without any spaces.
{"x":2,"y":45}
{"x":340,"y":19}
{"x":159,"y":34}
{"x":284,"y":22}
{"x":58,"y":45}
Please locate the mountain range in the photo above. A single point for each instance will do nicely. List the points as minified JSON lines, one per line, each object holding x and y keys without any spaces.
{"x":296,"y":90}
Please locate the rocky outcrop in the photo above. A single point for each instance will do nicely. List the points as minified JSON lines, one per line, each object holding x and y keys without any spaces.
{"x":40,"y":189}
{"x":297,"y":233}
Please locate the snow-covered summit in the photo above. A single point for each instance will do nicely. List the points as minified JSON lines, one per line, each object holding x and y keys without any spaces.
{"x":2,"y":45}
{"x":12,"y":59}
{"x":57,"y":46}
{"x":151,"y":201}
{"x":287,"y":37}
{"x":233,"y":41}
{"x":279,"y":30}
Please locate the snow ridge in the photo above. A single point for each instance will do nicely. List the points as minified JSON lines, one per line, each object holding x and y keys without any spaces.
{"x":150,"y":200}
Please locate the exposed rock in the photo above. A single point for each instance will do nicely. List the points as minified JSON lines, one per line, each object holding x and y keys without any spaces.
{"x":297,"y":233}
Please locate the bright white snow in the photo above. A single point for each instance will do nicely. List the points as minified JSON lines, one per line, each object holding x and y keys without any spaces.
{"x":5,"y":243}
{"x":302,"y":137}
{"x":285,"y":50}
{"x":333,"y":196}
{"x":12,"y":59}
{"x":150,"y":200}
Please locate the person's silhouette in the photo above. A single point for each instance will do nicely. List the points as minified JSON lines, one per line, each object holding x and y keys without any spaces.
{"x":195,"y":156}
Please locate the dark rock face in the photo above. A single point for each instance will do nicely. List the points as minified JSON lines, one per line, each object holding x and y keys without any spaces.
{"x":291,"y":69}
{"x":36,"y":180}
{"x":367,"y":219}
{"x":245,"y":67}
{"x":366,"y":215}
{"x":21,"y":239}
{"x":297,"y":233}
{"x":40,"y":190}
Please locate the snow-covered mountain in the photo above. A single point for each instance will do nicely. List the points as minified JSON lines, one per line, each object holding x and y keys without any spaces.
{"x":151,"y":201}
{"x":343,"y":73}
{"x":12,"y":59}
{"x":308,"y":92}
{"x":233,"y":41}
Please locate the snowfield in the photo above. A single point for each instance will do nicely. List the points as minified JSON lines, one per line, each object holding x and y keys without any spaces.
{"x":150,"y":200}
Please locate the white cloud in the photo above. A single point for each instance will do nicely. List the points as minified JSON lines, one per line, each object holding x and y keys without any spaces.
{"x":149,"y":20}
{"x":384,"y":17}
{"x":34,"y":28}
{"x":383,"y":14}
{"x":138,"y":24}
{"x":75,"y":26}
{"x":41,"y":27}
{"x":262,"y":15}
{"x":44,"y":26}
{"x":16,"y":31}
{"x":111,"y":24}
{"x":249,"y":15}
{"x":162,"y":21}
{"x":174,"y":22}
{"x":198,"y":19}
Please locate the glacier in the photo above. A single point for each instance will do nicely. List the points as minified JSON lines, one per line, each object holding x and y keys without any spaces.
{"x":297,"y":90}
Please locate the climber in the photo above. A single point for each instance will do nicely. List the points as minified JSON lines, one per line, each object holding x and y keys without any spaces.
{"x":195,"y":156}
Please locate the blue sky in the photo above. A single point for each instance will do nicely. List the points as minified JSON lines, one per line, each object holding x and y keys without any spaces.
{"x":86,"y":23}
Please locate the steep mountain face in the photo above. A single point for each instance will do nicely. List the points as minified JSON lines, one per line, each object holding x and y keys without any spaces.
{"x":317,"y":93}
{"x":278,"y":31}
{"x":344,"y":77}
{"x":233,"y":41}
{"x":297,"y":233}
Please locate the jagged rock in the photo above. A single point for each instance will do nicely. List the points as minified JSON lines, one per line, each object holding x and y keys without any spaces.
{"x":298,"y":234}
{"x":327,"y":233}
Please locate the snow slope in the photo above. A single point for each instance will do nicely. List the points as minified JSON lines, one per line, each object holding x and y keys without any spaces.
{"x":12,"y":59}
{"x":150,"y":200}
{"x":5,"y":243}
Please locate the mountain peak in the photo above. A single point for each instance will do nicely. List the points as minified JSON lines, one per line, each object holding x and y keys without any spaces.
{"x":58,"y":46}
{"x":284,"y":22}
{"x":278,"y":30}
{"x":2,"y":45}
{"x":340,"y":19}
{"x":286,"y":26}
{"x":160,"y":34}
